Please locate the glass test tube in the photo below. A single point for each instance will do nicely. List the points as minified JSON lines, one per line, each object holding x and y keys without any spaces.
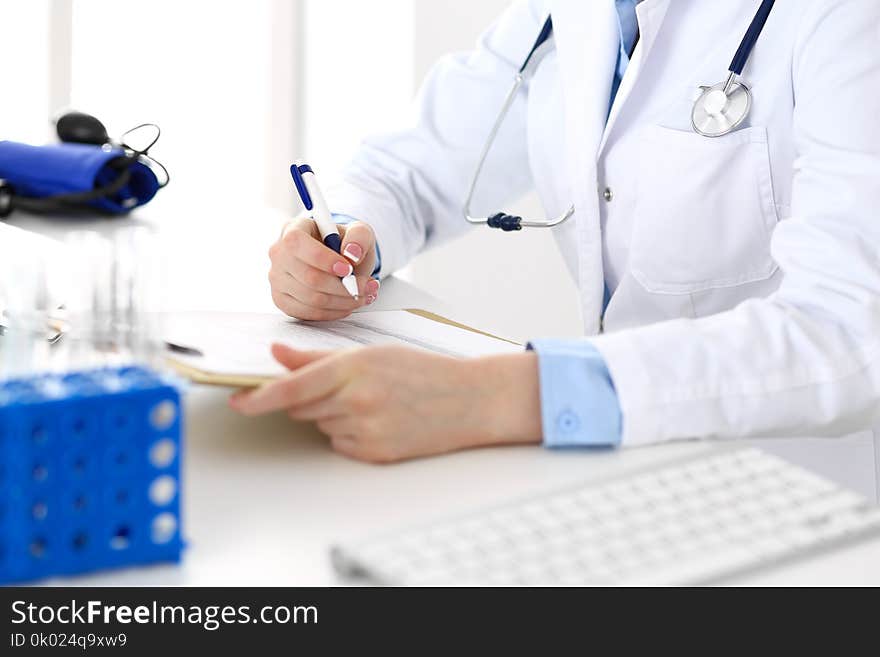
{"x":24,"y":313}
{"x":114,"y":308}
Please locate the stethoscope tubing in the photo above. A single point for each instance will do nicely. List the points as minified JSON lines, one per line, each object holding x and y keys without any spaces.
{"x":741,"y":58}
{"x":543,"y":37}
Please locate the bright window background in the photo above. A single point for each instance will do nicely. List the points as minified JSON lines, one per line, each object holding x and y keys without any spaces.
{"x":200,"y":69}
{"x":243,"y":87}
{"x":238,"y":91}
{"x":24,"y":67}
{"x":358,"y":77}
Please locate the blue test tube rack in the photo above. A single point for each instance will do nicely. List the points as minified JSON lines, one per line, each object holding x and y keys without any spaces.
{"x":89,"y":472}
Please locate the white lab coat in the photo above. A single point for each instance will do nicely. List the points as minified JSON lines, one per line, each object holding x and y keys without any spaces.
{"x":745,"y":269}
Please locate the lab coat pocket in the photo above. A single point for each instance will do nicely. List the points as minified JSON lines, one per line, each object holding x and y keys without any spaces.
{"x":704,"y":212}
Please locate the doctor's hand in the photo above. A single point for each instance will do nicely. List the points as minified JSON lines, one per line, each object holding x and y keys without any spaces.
{"x":389,"y":403}
{"x":305,"y":274}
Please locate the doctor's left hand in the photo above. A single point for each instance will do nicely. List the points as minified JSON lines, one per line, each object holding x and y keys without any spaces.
{"x":389,"y":403}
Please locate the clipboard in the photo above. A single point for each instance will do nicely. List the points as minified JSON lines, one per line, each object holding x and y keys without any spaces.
{"x":203,"y":377}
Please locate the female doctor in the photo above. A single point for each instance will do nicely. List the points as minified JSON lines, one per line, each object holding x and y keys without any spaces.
{"x":724,"y":231}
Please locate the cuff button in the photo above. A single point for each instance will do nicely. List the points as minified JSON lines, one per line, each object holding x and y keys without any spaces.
{"x":568,"y":421}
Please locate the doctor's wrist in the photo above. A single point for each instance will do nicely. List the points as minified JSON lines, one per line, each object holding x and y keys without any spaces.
{"x":509,"y":393}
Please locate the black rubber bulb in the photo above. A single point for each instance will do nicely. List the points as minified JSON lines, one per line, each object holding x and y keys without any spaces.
{"x":81,"y":128}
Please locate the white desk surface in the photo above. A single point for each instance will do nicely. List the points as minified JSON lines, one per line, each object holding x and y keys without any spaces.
{"x":265,"y":498}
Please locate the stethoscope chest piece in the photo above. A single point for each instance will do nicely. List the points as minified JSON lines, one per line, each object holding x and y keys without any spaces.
{"x":721,"y":109}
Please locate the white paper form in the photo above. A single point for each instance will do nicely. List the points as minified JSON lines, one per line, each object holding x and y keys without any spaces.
{"x":239,"y":343}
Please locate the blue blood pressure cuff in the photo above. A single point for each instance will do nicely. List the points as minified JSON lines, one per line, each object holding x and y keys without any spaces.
{"x":71,"y":176}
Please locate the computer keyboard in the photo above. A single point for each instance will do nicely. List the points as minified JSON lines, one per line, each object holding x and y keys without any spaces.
{"x":696,"y":521}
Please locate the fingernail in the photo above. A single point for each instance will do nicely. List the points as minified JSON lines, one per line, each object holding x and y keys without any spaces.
{"x":372,"y":287}
{"x":342,"y":268}
{"x":353,"y":252}
{"x":370,"y":298}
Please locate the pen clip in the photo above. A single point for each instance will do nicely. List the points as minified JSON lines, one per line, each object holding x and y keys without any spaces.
{"x":296,"y":171}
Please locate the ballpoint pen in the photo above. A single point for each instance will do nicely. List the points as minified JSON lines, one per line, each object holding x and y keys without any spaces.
{"x":311,"y":197}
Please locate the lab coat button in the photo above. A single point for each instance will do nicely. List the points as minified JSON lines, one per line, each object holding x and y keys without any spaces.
{"x":608,"y":194}
{"x":568,"y":421}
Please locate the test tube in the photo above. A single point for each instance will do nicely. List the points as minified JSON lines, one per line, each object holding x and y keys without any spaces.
{"x":115,"y":304}
{"x":138,"y":286}
{"x":24,"y":348}
{"x":87,"y":335}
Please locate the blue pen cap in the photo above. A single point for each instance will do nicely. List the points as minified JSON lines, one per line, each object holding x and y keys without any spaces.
{"x":296,"y":173}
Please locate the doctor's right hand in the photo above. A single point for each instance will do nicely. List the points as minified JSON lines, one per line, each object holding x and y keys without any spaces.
{"x":305,"y":274}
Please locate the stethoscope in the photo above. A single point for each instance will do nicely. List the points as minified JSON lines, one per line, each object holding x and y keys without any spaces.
{"x":719,"y":110}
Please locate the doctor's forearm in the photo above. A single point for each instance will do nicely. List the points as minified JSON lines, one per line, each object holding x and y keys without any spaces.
{"x":509,"y":390}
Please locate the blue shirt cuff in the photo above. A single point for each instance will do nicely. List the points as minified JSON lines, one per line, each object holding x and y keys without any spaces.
{"x":579,"y":405}
{"x":345,"y":219}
